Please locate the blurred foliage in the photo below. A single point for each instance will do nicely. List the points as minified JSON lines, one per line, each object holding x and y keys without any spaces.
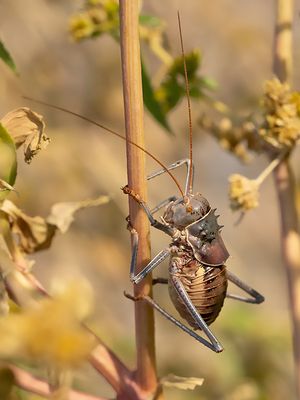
{"x":274,"y":130}
{"x":7,"y":58}
{"x":281,"y":124}
{"x":102,"y":16}
{"x":46,"y":331}
{"x":234,"y":136}
{"x":59,"y":340}
{"x":172,"y":88}
{"x":256,"y":363}
{"x":276,"y":126}
{"x":8,"y":163}
{"x":243,"y":193}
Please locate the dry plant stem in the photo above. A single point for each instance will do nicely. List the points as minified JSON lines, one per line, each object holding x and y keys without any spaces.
{"x":285,"y":183}
{"x":133,"y":104}
{"x":110,"y":366}
{"x":30,"y":383}
{"x":282,"y":60}
{"x":290,"y":243}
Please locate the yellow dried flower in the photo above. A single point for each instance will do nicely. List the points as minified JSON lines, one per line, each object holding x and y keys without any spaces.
{"x":99,"y":16}
{"x":295,"y":98}
{"x":81,"y":26}
{"x":275,"y":93}
{"x":243,"y":193}
{"x":282,"y":123}
{"x":50,"y":333}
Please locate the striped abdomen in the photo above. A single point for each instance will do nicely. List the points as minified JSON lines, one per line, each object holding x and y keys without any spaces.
{"x":205,"y":286}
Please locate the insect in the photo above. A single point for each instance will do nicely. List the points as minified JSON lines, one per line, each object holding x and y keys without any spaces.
{"x":198,"y":277}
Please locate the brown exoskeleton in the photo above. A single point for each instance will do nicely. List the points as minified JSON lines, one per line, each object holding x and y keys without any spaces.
{"x":198,"y":277}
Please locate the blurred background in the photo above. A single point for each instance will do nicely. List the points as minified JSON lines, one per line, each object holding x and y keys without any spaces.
{"x":82,"y":161}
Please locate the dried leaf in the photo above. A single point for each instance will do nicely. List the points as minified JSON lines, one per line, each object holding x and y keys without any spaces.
{"x":16,"y":282}
{"x":34,"y":232}
{"x":62,"y":214}
{"x":181,"y":382}
{"x":26,"y":127}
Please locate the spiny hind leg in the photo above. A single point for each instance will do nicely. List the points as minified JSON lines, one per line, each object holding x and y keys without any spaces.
{"x":256,"y":298}
{"x":180,"y":289}
{"x":211,"y":345}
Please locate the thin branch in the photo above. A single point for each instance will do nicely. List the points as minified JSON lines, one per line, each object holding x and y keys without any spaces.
{"x":285,"y":182}
{"x":110,"y":367}
{"x":26,"y":381}
{"x":133,"y":104}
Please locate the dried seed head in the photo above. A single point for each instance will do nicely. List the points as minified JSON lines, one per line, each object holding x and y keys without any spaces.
{"x":281,"y":126}
{"x":243,"y":193}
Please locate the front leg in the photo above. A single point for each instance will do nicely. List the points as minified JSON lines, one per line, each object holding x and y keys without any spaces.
{"x":156,"y":224}
{"x":158,"y":259}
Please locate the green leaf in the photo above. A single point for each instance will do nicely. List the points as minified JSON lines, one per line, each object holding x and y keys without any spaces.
{"x":172,"y":88}
{"x":8,"y":160}
{"x":149,"y":20}
{"x":151,"y":103}
{"x":6,"y":57}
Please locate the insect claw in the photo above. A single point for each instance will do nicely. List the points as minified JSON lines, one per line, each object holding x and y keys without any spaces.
{"x":131,"y":297}
{"x":218,"y":348}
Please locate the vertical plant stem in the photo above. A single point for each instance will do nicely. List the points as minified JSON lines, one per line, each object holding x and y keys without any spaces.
{"x":133,"y":104}
{"x":285,"y":182}
{"x":283,"y":59}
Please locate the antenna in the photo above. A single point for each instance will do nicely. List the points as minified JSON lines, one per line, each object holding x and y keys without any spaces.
{"x":187,"y":89}
{"x":65,"y":110}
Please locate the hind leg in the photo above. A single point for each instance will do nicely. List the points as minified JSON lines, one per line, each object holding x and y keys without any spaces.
{"x":256,"y":298}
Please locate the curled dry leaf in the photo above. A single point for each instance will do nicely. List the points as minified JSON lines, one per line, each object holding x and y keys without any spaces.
{"x":36,"y":233}
{"x":26,"y":128}
{"x":17,"y":285}
{"x":62,"y":214}
{"x":181,"y":382}
{"x":4,"y":186}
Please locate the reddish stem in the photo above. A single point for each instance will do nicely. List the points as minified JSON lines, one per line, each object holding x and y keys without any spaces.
{"x":26,"y":381}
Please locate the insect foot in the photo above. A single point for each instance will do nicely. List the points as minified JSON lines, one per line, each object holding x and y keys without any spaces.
{"x":131,"y":193}
{"x":131,"y":297}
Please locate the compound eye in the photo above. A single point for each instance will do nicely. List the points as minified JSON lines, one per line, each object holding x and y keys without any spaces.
{"x":202,"y":234}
